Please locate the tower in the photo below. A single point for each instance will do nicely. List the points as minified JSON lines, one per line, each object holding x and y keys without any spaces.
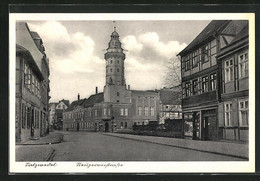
{"x":115,"y":88}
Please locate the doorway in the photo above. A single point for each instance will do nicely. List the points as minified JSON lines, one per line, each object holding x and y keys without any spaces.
{"x":106,"y":127}
{"x":209,"y":128}
{"x":32,"y":123}
{"x":77,"y":126}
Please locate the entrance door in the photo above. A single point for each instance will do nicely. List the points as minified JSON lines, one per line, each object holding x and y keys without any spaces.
{"x":77,"y":126}
{"x":32,"y":123}
{"x":209,"y":128}
{"x":106,"y":127}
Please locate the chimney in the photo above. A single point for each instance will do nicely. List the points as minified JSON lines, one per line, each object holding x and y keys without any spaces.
{"x":96,"y":90}
{"x":128,"y":87}
{"x":78,"y":97}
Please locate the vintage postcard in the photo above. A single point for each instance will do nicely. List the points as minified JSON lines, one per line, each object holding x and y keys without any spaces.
{"x":132,"y":93}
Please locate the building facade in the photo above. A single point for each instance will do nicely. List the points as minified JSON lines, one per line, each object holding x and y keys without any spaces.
{"x":170,"y":104}
{"x":234,"y":86}
{"x":56,"y":110}
{"x":118,"y":107}
{"x":32,"y":85}
{"x":201,"y":79}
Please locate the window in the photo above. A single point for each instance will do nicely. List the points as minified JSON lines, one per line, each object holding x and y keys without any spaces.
{"x":243,"y":112}
{"x":139,"y":110}
{"x":117,"y":69}
{"x":195,"y":87}
{"x":205,"y":54}
{"x":122,"y":112}
{"x":229,"y":69}
{"x":126,"y":112}
{"x":111,"y":70}
{"x":32,"y":84}
{"x":152,"y":111}
{"x":205,"y":84}
{"x":95,"y":112}
{"x":146,"y":111}
{"x":108,"y":112}
{"x":125,"y":124}
{"x":117,"y":93}
{"x":117,"y":61}
{"x":195,"y":59}
{"x":121,"y":124}
{"x":27,"y":76}
{"x":187,"y":62}
{"x":187,"y":89}
{"x":105,"y":111}
{"x":243,"y":65}
{"x":63,"y":106}
{"x":228,"y":112}
{"x":111,"y":61}
{"x":213,"y":81}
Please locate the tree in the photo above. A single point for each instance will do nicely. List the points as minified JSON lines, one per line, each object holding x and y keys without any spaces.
{"x":172,"y":75}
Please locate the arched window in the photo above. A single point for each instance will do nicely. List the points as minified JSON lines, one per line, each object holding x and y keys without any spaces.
{"x":111,"y":70}
{"x":111,"y":61}
{"x":117,"y":93}
{"x":117,"y":61}
{"x":117,"y":69}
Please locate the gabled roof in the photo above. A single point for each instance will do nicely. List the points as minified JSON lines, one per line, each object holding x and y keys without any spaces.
{"x":21,"y":51}
{"x":35,"y":35}
{"x":66,"y":102}
{"x":240,"y":40}
{"x":169,"y":97}
{"x":96,"y":98}
{"x":24,"y":38}
{"x":210,"y":30}
{"x":93,"y":99}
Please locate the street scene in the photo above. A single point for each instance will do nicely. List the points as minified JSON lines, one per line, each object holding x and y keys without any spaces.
{"x":132,"y":90}
{"x":93,"y":146}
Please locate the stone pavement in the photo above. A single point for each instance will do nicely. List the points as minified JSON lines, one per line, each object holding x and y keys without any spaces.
{"x":51,"y":138}
{"x":33,"y":153}
{"x":38,"y":150}
{"x":239,"y":150}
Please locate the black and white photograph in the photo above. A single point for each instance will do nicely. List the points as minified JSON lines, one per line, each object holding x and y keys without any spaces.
{"x":132,"y":93}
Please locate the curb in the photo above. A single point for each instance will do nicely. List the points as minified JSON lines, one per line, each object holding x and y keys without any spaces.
{"x":46,"y":143}
{"x":194,"y":149}
{"x":50,"y":155}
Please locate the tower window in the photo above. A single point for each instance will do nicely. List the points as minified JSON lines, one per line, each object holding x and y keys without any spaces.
{"x":118,"y":61}
{"x":118,"y":70}
{"x":117,"y":93}
{"x":111,"y":61}
{"x":111,"y":70}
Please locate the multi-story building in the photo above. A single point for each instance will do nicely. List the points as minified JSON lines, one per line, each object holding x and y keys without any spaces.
{"x":56,"y":110}
{"x":32,"y":85}
{"x":170,"y":104}
{"x":118,"y":107}
{"x":201,"y":79}
{"x":234,"y":106}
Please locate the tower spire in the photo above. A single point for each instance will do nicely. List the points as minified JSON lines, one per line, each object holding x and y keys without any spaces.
{"x":114,"y":24}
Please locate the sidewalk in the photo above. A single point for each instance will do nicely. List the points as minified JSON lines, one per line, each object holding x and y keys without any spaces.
{"x":38,"y":150}
{"x":51,"y":138}
{"x":217,"y":147}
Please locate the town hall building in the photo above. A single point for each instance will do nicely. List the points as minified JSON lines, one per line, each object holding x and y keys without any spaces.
{"x":117,"y":107}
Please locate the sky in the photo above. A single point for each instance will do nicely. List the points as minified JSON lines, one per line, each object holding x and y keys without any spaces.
{"x":76,"y":52}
